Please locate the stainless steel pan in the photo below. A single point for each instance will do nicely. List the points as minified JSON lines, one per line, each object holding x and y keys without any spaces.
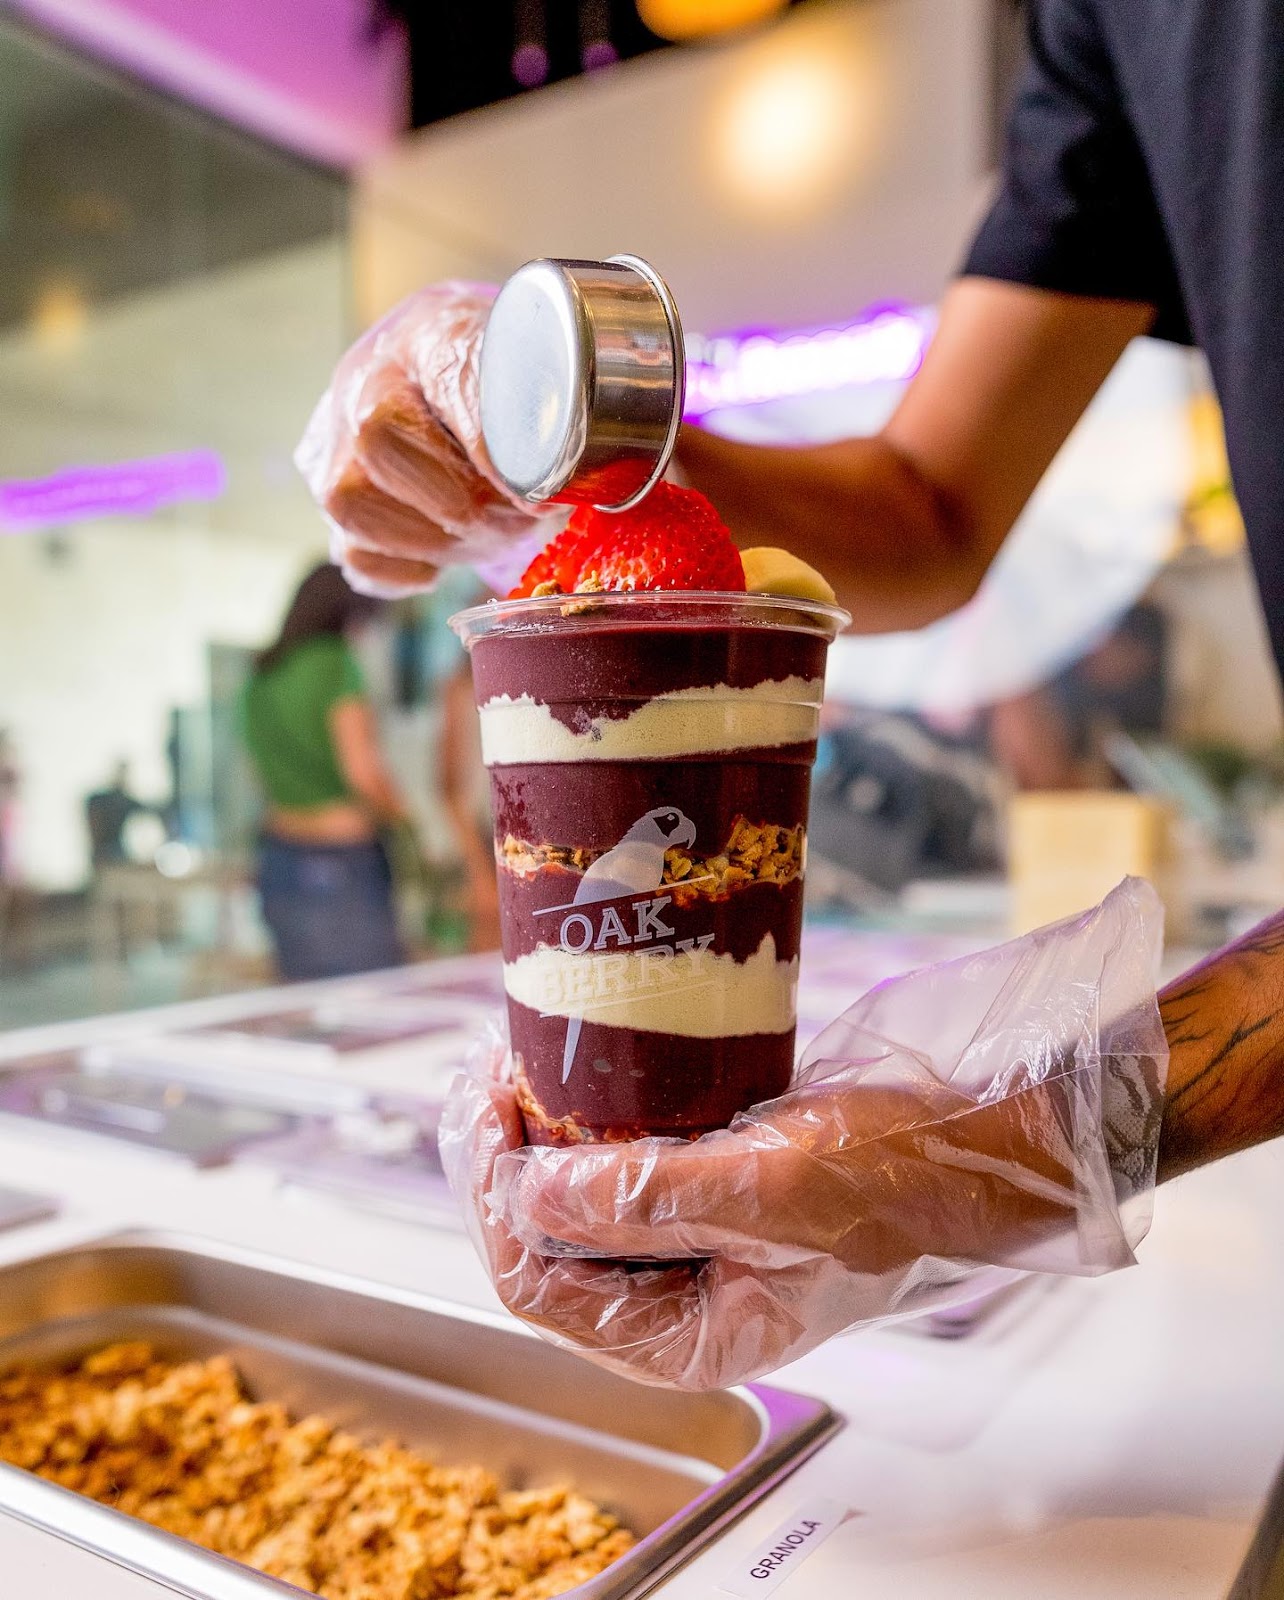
{"x":462,"y":1385}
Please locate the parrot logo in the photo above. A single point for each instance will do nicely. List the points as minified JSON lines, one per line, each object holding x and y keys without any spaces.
{"x":634,"y":866}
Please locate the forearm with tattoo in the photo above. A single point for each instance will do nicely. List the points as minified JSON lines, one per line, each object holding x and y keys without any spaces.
{"x":1225,"y":1025}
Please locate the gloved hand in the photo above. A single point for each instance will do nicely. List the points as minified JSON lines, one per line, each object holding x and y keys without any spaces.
{"x":393,"y":452}
{"x":997,"y":1112}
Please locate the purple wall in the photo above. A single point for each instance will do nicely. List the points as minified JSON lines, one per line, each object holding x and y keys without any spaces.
{"x":303,"y":73}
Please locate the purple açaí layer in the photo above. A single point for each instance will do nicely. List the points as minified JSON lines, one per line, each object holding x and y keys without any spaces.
{"x":592,"y":671}
{"x":629,"y":1084}
{"x":594,"y":803}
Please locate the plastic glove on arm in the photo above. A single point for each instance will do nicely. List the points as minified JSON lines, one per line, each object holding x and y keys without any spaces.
{"x":973,"y":1116}
{"x":393,"y":452}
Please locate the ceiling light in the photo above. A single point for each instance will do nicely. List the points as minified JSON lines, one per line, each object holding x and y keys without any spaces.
{"x":596,"y":49}
{"x":59,"y":316}
{"x":530,"y":62}
{"x":695,"y":19}
{"x":784,"y":133}
{"x":530,"y":65}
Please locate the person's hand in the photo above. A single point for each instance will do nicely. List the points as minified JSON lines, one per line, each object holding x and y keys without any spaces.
{"x":1000,"y":1112}
{"x":394,"y":454}
{"x":836,"y":1205}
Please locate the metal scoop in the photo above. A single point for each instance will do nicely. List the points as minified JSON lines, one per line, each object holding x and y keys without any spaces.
{"x":583,"y":378}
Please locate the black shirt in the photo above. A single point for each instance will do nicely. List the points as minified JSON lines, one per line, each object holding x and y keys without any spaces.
{"x":1145,"y":162}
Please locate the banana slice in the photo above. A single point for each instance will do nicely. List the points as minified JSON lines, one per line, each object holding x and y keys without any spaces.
{"x":772,"y":571}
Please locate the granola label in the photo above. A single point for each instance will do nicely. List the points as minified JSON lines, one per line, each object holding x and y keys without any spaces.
{"x":784,"y":1551}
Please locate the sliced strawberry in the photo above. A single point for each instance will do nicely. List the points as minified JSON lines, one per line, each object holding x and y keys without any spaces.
{"x":656,"y":558}
{"x":559,"y":561}
{"x":673,"y":540}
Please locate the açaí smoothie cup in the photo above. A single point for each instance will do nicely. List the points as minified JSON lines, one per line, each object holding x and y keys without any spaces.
{"x":650,"y":761}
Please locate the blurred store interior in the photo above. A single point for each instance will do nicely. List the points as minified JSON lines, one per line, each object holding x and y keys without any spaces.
{"x":196,"y":217}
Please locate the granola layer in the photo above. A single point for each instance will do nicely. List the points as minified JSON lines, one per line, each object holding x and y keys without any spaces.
{"x":727,"y":902}
{"x":756,"y":852}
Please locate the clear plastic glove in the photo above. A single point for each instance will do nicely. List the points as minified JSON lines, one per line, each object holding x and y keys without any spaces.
{"x":394,"y":455}
{"x":1001,"y":1111}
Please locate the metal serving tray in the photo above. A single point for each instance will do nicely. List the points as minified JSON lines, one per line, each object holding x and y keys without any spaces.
{"x":464,"y":1386}
{"x":166,"y":1119}
{"x":352,"y":1161}
{"x":165,"y":1059}
{"x":1261,"y":1577}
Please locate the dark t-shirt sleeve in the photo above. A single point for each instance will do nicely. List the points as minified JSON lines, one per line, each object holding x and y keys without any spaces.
{"x":1075,"y":210}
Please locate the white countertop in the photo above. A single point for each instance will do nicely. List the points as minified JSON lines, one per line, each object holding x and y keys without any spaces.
{"x":1108,"y":1439}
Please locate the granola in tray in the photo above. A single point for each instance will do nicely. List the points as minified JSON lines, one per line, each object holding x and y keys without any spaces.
{"x":180,"y":1445}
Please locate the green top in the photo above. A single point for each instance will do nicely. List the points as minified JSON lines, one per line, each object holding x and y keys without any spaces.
{"x":285,"y":718}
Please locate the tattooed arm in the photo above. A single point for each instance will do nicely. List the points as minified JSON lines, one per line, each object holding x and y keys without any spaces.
{"x":1225,"y":1025}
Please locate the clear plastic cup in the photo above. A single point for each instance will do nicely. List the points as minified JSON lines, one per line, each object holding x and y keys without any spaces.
{"x":650,"y":763}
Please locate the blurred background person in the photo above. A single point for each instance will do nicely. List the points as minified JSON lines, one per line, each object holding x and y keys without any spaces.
{"x":324,"y":876}
{"x":107,"y":814}
{"x":1054,"y":736}
{"x":124,"y":833}
{"x":10,"y":787}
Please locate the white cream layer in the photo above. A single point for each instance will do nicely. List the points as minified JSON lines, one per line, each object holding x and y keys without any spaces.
{"x":705,"y":719}
{"x":696,"y":994}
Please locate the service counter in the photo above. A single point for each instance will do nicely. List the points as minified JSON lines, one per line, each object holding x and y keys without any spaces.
{"x":1114,"y":1438}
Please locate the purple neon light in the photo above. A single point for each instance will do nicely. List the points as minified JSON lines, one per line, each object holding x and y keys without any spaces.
{"x":119,"y":489}
{"x":885,"y":344}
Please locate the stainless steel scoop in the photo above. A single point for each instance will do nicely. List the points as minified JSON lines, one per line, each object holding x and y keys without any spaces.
{"x":583,"y":378}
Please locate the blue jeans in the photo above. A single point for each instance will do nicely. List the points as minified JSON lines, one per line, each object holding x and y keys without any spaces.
{"x":329,"y":908}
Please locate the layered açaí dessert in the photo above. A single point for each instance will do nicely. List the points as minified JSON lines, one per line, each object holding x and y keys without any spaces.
{"x":650,"y":752}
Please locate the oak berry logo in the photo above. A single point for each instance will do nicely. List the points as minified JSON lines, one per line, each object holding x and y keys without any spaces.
{"x":596,"y":924}
{"x":579,"y":933}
